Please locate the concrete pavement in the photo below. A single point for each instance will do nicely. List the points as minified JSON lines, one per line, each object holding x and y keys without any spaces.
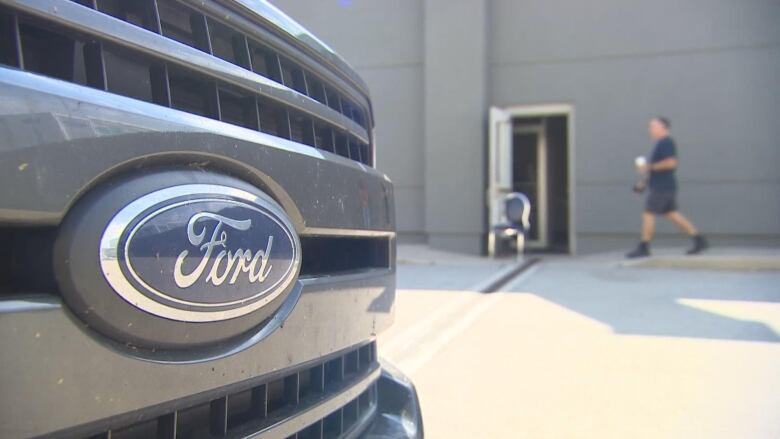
{"x":588,"y":347}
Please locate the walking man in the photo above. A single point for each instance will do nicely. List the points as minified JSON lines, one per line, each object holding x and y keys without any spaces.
{"x":659,"y":178}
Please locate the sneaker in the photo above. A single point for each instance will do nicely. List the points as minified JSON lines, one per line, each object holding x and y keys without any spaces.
{"x":641,"y":251}
{"x":699,"y":245}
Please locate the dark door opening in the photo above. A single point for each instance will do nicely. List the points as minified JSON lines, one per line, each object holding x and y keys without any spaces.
{"x":540,"y":165}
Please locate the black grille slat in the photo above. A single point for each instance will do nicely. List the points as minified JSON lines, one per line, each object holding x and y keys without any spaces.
{"x":346,"y":107}
{"x":276,"y":396}
{"x":241,"y":409}
{"x":324,"y":138}
{"x":48,"y":53}
{"x":364,"y":403}
{"x":350,"y":415}
{"x":128,"y":74}
{"x":351,"y":363}
{"x":161,"y":87}
{"x":200,"y":32}
{"x":316,"y":89}
{"x":166,"y":426}
{"x":301,"y":128}
{"x":237,"y":108}
{"x":365,"y":356}
{"x":264,"y":61}
{"x":259,"y":409}
{"x":292,"y":390}
{"x":334,"y":372}
{"x":342,"y":145}
{"x":354,"y":150}
{"x":218,"y":416}
{"x":195,"y":420}
{"x":228,"y":45}
{"x":155,"y":10}
{"x":329,"y":255}
{"x":176,"y":22}
{"x":313,"y":431}
{"x":273,"y":118}
{"x":294,"y":77}
{"x":80,"y":59}
{"x":95,"y":66}
{"x":142,"y":13}
{"x":332,"y":425}
{"x":193,"y":93}
{"x":10,"y":41}
{"x":334,"y":100}
{"x":311,"y":382}
{"x":243,"y":54}
{"x":146,"y":429}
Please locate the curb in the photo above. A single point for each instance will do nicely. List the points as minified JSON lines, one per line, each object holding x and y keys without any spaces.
{"x":715,"y":263}
{"x":504,"y":276}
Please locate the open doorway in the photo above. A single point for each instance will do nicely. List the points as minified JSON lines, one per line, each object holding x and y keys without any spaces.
{"x":530,"y":150}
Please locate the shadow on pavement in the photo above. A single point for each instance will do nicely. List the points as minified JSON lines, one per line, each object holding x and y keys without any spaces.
{"x":647,"y":301}
{"x":443,"y":277}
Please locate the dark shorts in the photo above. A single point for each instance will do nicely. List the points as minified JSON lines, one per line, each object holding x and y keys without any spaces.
{"x":661,"y":203}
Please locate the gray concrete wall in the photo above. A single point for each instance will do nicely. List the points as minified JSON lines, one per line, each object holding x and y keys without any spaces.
{"x":711,"y":66}
{"x":455,"y":89}
{"x":383,"y":41}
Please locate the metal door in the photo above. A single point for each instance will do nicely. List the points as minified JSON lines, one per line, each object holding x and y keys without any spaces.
{"x":499,"y":162}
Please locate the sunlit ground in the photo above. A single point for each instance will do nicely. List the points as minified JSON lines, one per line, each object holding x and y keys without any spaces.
{"x":581,"y":349}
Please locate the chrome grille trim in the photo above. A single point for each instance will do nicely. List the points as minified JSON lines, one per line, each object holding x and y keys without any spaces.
{"x":342,"y":135}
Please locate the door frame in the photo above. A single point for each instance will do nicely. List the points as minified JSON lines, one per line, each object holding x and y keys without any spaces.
{"x":541,"y":181}
{"x":555,"y":109}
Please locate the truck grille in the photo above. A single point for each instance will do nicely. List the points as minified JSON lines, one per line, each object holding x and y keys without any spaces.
{"x":332,"y":398}
{"x":201,"y":66}
{"x":321,"y":256}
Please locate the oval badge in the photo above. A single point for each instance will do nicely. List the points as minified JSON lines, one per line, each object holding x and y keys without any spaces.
{"x":200,"y":252}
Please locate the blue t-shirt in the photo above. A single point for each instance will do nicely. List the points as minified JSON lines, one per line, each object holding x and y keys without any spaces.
{"x":663,"y":181}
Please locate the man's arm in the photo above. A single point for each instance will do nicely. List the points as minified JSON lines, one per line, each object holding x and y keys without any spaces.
{"x":666,"y":164}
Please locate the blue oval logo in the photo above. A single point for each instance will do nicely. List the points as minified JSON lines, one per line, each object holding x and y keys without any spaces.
{"x":200,"y":252}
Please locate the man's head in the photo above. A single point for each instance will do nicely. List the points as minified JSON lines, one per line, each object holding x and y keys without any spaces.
{"x":659,"y":127}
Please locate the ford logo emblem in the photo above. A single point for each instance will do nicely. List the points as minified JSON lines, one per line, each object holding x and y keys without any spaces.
{"x":200,"y":252}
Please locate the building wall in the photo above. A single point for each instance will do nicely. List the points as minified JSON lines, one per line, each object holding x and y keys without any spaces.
{"x":709,"y":65}
{"x":455,"y":41}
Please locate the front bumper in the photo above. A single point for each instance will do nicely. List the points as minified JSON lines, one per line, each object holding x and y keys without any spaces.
{"x":398,"y":411}
{"x":62,"y":376}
